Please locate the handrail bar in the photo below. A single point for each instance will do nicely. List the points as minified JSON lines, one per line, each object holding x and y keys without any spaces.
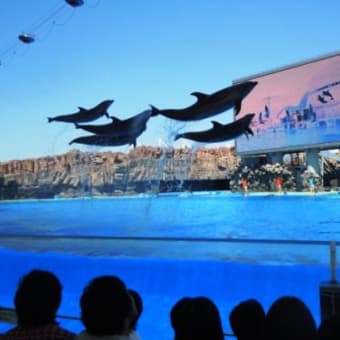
{"x":170,"y":239}
{"x":8,"y":315}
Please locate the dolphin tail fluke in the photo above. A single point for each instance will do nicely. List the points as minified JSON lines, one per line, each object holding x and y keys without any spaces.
{"x":154,"y":111}
{"x":50,"y":119}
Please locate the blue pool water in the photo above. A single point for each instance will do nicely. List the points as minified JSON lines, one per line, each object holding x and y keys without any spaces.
{"x":221,"y":215}
{"x":224,"y":246}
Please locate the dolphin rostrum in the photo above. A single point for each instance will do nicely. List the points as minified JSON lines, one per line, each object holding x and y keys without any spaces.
{"x":106,"y":140}
{"x":132,"y":125}
{"x":84,"y":115}
{"x":208,"y":105}
{"x":220,"y":132}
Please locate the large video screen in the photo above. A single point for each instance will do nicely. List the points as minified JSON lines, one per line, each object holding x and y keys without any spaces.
{"x":297,"y":107}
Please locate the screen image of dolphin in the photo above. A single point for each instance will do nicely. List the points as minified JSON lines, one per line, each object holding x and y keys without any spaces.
{"x":117,"y":127}
{"x":220,"y":132}
{"x":327,"y":93}
{"x":322,"y":99}
{"x":208,"y":105}
{"x":84,"y":115}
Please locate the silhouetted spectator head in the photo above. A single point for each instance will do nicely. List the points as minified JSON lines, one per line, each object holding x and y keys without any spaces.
{"x":137,"y":299}
{"x":289,"y":318}
{"x":195,"y":319}
{"x":106,"y":306}
{"x":37,"y":298}
{"x":247,"y":320}
{"x":329,"y":329}
{"x":179,"y":315}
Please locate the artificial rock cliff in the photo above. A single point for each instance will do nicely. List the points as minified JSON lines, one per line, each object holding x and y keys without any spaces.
{"x":107,"y":173}
{"x":150,"y":169}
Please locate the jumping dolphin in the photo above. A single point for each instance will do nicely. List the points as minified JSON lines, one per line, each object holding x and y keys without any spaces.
{"x":106,"y":140}
{"x":220,"y":132}
{"x":84,"y":115}
{"x":119,"y":127}
{"x":208,"y":105}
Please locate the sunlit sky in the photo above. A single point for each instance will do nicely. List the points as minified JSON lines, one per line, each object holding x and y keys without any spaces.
{"x":139,"y":53}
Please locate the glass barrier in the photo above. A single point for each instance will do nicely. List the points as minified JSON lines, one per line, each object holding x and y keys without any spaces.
{"x":164,"y":269}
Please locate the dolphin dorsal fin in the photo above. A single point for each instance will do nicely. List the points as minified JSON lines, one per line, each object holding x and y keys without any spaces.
{"x":216,"y":124}
{"x":81,"y":108}
{"x":250,"y":131}
{"x":115,"y":119}
{"x":199,"y":95}
{"x":238,"y":107}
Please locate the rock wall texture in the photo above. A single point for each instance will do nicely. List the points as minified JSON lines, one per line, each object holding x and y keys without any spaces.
{"x":146,"y":169}
{"x":79,"y":173}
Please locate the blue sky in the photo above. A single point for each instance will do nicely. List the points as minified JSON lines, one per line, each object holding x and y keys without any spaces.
{"x":140,"y":53}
